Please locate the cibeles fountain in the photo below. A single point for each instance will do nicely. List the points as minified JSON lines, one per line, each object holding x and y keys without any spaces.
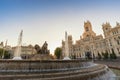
{"x":67,"y":69}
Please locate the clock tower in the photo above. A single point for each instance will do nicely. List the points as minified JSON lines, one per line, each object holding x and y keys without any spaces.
{"x":88,"y":32}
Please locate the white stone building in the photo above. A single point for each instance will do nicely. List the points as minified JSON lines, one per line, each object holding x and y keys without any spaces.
{"x":94,"y":44}
{"x":26,"y":50}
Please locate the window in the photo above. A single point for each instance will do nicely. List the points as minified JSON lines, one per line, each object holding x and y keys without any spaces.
{"x":87,"y":29}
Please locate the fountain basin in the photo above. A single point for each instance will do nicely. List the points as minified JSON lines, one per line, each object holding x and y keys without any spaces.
{"x":53,"y":70}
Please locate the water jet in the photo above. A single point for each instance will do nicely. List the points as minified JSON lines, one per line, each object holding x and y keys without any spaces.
{"x":66,"y":55}
{"x":17,"y":53}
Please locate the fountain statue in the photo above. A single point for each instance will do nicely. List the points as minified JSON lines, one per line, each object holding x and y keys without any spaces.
{"x":18,"y":48}
{"x":42,"y":53}
{"x":43,"y":49}
{"x":66,"y":48}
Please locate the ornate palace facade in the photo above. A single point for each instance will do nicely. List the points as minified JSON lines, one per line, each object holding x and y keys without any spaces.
{"x":95,"y":44}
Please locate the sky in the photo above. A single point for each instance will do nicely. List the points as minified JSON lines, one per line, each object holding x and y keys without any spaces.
{"x":47,"y":20}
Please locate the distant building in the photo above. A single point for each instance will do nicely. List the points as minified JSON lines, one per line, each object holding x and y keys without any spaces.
{"x":26,"y":51}
{"x":90,"y":43}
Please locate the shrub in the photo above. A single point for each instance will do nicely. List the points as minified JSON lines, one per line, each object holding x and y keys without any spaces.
{"x":113,"y":55}
{"x":105,"y":55}
{"x":99,"y":56}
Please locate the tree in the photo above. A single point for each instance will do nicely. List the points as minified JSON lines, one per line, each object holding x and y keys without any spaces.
{"x":6,"y":55}
{"x":113,"y":55}
{"x":105,"y":55}
{"x":1,"y":53}
{"x":88,"y":55}
{"x":58,"y":52}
